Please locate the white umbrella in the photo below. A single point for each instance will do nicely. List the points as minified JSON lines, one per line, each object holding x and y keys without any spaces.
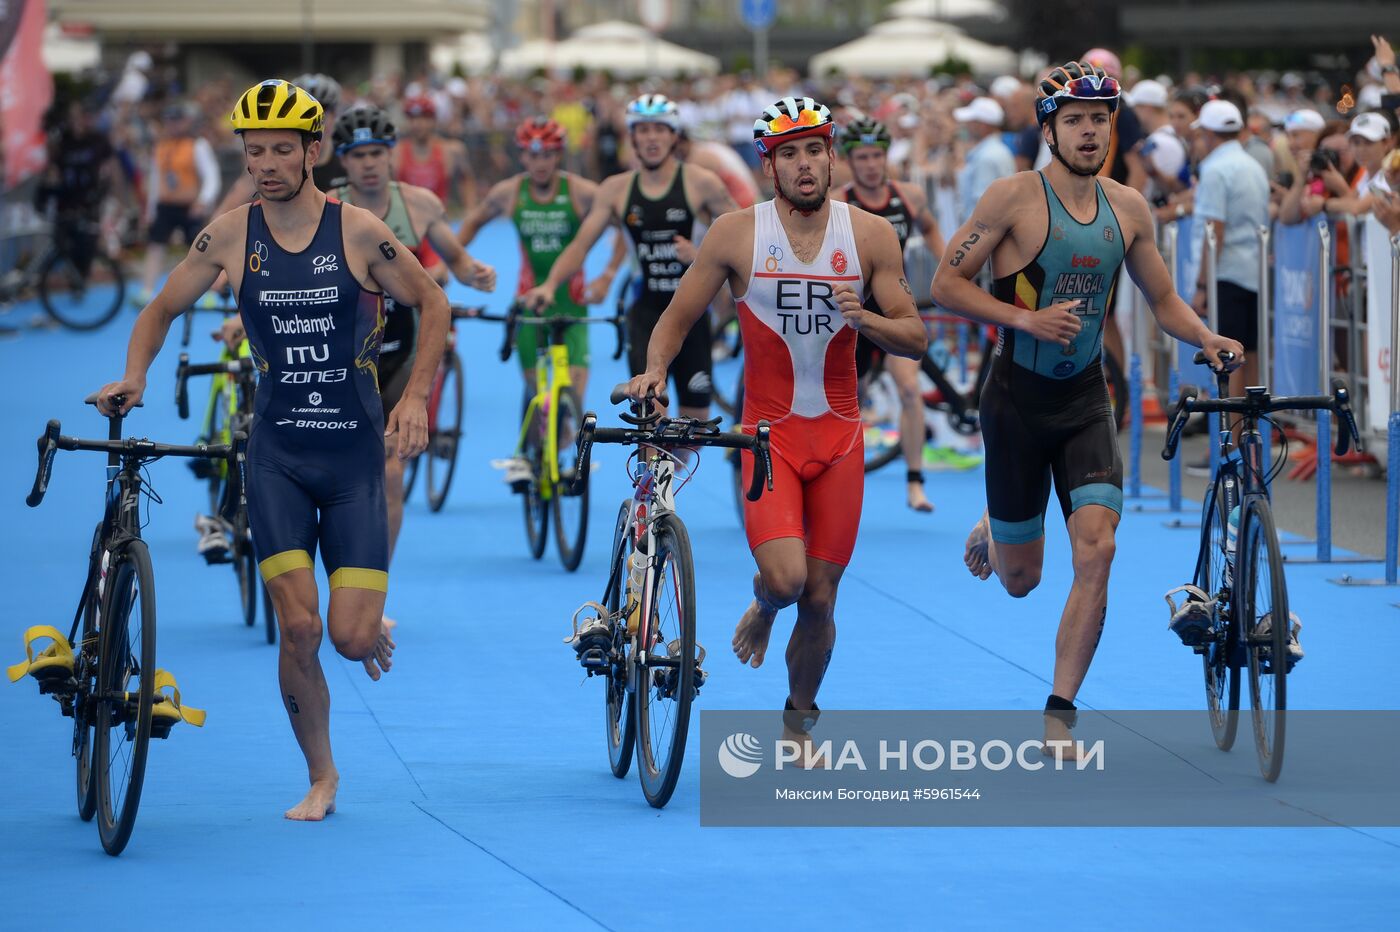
{"x":949,"y":9}
{"x":912,"y":46}
{"x":625,"y":49}
{"x":471,"y":50}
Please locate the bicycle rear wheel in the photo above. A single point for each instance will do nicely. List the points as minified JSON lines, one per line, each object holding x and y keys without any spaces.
{"x":570,"y":511}
{"x":245,"y":564}
{"x":82,"y":299}
{"x":666,"y":681}
{"x":85,"y":672}
{"x":619,"y":701}
{"x":269,"y":616}
{"x":880,"y":413}
{"x":1222,"y":676}
{"x":536,"y":508}
{"x":446,"y":432}
{"x":410,"y":475}
{"x":125,"y":692}
{"x":1264,"y":597}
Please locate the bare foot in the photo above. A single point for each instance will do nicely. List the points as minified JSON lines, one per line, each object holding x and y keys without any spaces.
{"x":382,"y":659}
{"x":319,"y":802}
{"x":751,"y":635}
{"x":978,"y":555}
{"x":1063,"y":747}
{"x":809,"y":759}
{"x":917,"y":499}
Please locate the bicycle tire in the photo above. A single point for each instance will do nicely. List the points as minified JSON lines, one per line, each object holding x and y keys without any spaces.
{"x":1268,"y":676}
{"x":444,"y":440}
{"x":882,"y":438}
{"x":736,"y":462}
{"x":269,"y":616}
{"x":129,"y":579}
{"x":109,"y":299}
{"x":619,"y":699}
{"x":245,"y":565}
{"x":1218,"y":663}
{"x":1117,"y":389}
{"x":85,"y":674}
{"x":410,"y":476}
{"x":660,"y":757}
{"x":571,"y":545}
{"x":536,"y":508}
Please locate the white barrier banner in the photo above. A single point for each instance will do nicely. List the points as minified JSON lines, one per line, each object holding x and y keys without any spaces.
{"x":1380,"y":305}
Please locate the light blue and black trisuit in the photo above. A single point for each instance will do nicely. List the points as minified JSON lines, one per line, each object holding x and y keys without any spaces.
{"x":1045,"y":410}
{"x":316,"y":448}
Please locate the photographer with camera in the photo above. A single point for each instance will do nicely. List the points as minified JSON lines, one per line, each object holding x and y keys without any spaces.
{"x":1319,"y":168}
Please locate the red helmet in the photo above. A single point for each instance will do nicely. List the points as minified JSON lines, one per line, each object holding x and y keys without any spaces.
{"x":539,"y":134}
{"x":419,"y":106}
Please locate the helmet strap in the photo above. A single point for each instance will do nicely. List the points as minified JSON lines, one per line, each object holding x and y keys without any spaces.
{"x":1055,"y":151}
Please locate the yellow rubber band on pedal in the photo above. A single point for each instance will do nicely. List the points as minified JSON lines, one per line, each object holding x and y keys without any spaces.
{"x":354,"y":577}
{"x":169,"y":707}
{"x":284,"y":562}
{"x":56,"y":658}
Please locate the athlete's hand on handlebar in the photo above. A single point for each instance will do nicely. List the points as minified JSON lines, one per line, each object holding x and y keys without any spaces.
{"x":1215,"y":346}
{"x":1056,"y":323}
{"x":536,"y":299}
{"x":230,"y":332}
{"x":650,"y":384}
{"x":483,"y":277}
{"x":850,"y":306}
{"x":409,"y":420}
{"x":131,"y":388}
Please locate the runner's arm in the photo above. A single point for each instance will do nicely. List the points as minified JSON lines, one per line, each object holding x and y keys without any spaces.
{"x":398,"y":272}
{"x":467,"y":270}
{"x":1150,"y":274}
{"x":923,"y":218}
{"x":968,"y":250}
{"x":486,"y":210}
{"x":706,"y":275}
{"x":215,"y":245}
{"x":900,"y":330}
{"x":593,"y":227}
{"x":715,"y":200}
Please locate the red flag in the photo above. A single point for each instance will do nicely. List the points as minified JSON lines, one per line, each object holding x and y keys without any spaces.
{"x":26,"y":89}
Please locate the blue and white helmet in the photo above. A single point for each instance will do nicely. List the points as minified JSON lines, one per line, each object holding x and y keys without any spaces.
{"x":653,"y":108}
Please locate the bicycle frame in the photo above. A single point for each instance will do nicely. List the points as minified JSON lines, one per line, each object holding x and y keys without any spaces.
{"x":551,"y":379}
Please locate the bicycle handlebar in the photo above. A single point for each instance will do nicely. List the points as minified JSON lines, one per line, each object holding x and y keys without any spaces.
{"x":687,"y":432}
{"x":51,"y":441}
{"x":188,"y":332}
{"x":184,"y":370}
{"x":1257,"y":402}
{"x":557,"y":324}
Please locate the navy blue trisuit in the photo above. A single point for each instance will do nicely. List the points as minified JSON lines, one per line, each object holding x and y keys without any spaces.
{"x":315,"y":461}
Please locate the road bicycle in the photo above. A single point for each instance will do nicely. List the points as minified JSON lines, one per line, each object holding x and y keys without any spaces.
{"x":641,"y":637}
{"x":230,"y":411}
{"x":545,"y":447}
{"x":1235,"y":610}
{"x":446,"y":402}
{"x":103,"y":674}
{"x":76,"y":282}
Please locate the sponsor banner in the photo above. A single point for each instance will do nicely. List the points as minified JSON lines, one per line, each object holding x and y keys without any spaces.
{"x":26,"y":90}
{"x":301,"y":296}
{"x":1296,"y":280}
{"x":982,"y":768}
{"x":1187,"y":372}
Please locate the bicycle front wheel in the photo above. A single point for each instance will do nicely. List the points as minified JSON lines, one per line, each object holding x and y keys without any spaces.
{"x":446,"y":432}
{"x":536,"y":508}
{"x":410,"y":475}
{"x":1264,"y":612}
{"x":620,"y":701}
{"x":1221,"y":667}
{"x":666,"y":681}
{"x":570,"y":510}
{"x":245,"y":564}
{"x":81,"y":295}
{"x":125,"y":692}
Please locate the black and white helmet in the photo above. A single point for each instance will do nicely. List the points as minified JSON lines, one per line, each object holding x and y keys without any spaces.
{"x":791,"y":118}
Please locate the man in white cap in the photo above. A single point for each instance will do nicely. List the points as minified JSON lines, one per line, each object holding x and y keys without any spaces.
{"x":1020,"y":131}
{"x":1233,"y":197}
{"x":988,"y":159}
{"x":1163,"y":153}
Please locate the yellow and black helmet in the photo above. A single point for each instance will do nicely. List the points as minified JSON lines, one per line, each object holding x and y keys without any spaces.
{"x":278,"y":104}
